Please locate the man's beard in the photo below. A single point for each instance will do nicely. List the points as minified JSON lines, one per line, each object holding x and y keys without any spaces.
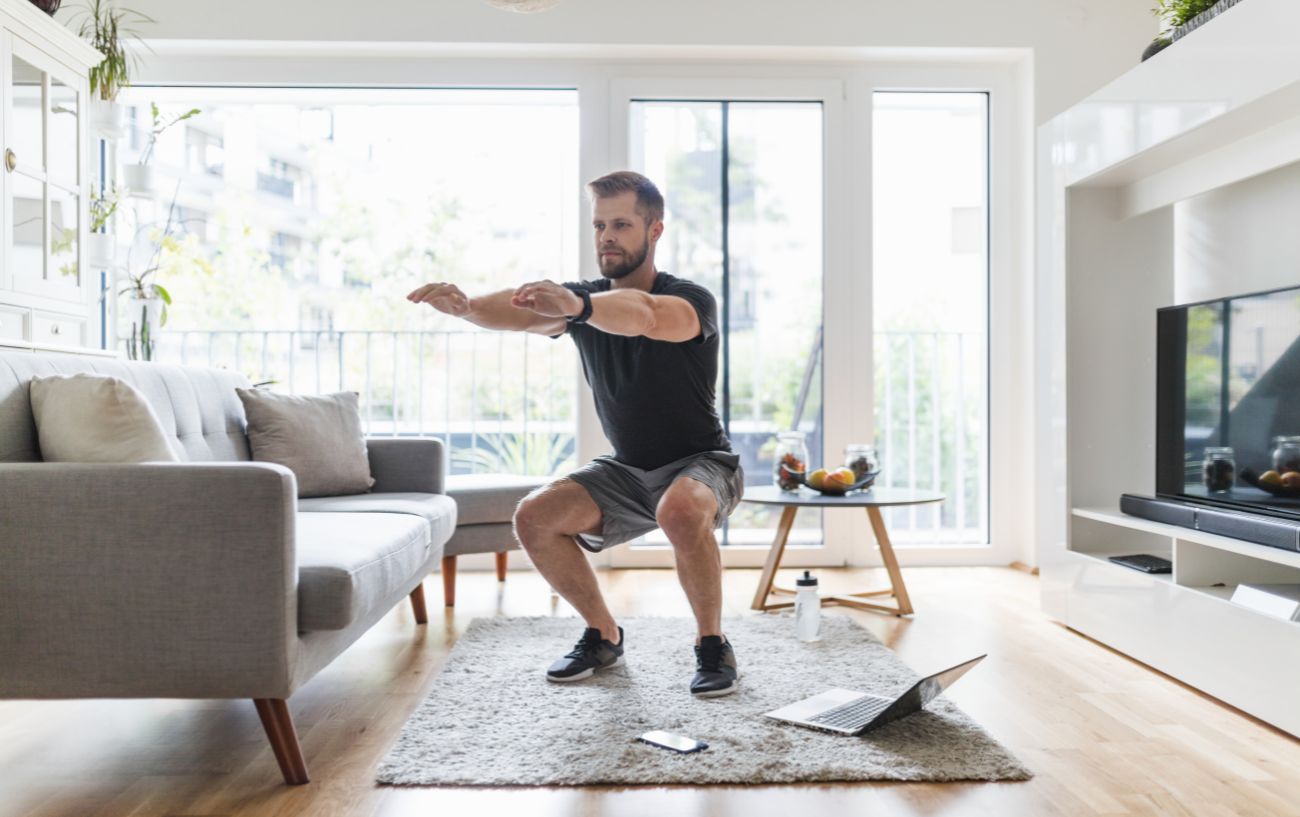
{"x":628,"y":265}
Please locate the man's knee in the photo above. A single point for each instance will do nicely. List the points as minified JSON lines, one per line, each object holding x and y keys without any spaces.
{"x":529,"y":518}
{"x":552,"y":509}
{"x":686,"y":511}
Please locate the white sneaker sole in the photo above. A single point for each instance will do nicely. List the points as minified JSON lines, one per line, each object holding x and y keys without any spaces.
{"x":582,"y":676}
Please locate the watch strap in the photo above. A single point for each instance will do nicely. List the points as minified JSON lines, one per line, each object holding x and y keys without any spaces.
{"x":582,"y":316}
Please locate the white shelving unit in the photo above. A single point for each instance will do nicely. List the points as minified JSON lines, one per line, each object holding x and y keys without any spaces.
{"x":1125,"y":181}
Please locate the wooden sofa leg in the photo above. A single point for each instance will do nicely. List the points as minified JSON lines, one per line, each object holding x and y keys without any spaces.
{"x":502,"y":558}
{"x":449,"y":580}
{"x":278,"y":724}
{"x":417,"y":605}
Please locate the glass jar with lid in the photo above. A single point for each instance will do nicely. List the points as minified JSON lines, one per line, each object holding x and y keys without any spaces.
{"x":790,"y":464}
{"x":861,"y":459}
{"x":1219,"y":469}
{"x":1286,"y":453}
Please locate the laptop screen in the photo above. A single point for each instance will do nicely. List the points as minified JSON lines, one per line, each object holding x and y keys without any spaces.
{"x":924,"y":691}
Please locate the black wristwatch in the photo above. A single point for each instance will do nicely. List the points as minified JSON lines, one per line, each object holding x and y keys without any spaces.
{"x":582,"y":316}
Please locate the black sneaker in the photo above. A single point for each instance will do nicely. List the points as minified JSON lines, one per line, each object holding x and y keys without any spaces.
{"x":590,"y":654}
{"x":715,"y":668}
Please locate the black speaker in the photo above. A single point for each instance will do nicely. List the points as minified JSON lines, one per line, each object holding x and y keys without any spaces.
{"x":1158,"y":510}
{"x":1261,"y":530}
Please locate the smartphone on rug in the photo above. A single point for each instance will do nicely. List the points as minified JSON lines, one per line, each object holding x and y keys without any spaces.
{"x":674,"y":743}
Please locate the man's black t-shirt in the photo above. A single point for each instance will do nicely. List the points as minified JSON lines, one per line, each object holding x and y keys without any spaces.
{"x":655,"y":398}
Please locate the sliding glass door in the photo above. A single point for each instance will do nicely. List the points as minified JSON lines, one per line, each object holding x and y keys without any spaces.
{"x":743,"y":187}
{"x":930,"y":296}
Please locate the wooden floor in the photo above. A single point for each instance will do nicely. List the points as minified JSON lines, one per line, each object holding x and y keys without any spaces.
{"x":1103,"y":734}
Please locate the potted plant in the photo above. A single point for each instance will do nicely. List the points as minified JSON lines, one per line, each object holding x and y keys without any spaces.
{"x":139,"y":176}
{"x":1180,"y":17}
{"x":108,"y":29}
{"x":146,"y":304}
{"x":146,"y":299}
{"x":101,"y":243}
{"x":170,"y":249}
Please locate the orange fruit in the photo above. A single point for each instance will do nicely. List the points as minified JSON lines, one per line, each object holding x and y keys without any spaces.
{"x":816,"y":477}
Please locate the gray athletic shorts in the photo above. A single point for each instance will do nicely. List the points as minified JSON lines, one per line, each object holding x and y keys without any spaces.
{"x":627,"y":496}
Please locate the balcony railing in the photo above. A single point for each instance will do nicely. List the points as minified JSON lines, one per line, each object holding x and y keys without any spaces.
{"x":500,"y":400}
{"x":275,"y":185}
{"x":508,"y":401}
{"x":931,"y":403}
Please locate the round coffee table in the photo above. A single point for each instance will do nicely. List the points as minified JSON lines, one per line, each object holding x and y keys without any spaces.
{"x":873,"y":500}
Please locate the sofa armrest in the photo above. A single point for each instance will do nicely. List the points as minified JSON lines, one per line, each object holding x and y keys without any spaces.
{"x":152,"y":580}
{"x":407,"y":464}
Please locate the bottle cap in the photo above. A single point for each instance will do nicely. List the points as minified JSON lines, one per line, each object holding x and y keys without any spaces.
{"x":807,"y":580}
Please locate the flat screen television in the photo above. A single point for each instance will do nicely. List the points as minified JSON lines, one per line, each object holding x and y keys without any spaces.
{"x":1228,"y":384}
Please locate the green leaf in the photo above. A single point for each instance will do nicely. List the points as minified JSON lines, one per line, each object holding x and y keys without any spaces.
{"x":163,"y":293}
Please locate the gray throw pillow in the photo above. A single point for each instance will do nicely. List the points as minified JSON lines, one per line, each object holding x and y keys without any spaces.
{"x":318,"y":438}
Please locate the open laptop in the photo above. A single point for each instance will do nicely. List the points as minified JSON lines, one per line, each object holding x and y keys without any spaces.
{"x":851,"y":713}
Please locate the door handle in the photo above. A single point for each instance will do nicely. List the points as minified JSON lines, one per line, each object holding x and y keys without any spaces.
{"x":11,"y":160}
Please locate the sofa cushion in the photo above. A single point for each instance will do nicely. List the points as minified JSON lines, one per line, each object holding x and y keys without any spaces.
{"x":439,"y":510}
{"x":318,"y":438}
{"x":494,"y":538}
{"x":87,"y":417}
{"x":488,"y":498}
{"x":350,"y":562}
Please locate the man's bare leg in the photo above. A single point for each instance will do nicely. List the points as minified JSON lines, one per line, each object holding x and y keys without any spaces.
{"x":545,"y":524}
{"x":685,"y":514}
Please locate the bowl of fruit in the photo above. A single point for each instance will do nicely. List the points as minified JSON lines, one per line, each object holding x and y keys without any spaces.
{"x":1286,"y":483}
{"x":839,"y":481}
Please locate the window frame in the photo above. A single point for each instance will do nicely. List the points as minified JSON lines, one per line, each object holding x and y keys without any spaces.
{"x":605,"y":79}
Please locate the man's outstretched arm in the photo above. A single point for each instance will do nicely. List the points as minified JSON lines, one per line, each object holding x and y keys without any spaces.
{"x":630,"y":312}
{"x":491,"y":311}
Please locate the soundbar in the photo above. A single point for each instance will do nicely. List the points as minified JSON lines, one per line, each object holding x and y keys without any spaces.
{"x":1248,"y":527}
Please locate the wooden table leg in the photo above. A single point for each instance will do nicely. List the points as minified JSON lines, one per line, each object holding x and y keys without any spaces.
{"x":774,"y":558}
{"x":891,"y":561}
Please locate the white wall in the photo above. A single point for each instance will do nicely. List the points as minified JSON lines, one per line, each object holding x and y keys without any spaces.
{"x":1238,"y":239}
{"x":1078,"y":46}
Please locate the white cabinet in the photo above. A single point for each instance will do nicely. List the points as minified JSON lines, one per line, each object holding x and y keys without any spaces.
{"x":1145,"y":189}
{"x":44,"y":182}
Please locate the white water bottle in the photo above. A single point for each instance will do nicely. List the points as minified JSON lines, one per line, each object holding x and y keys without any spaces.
{"x":807,"y":608}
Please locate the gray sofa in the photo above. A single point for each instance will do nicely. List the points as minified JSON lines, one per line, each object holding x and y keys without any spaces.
{"x":200,"y":579}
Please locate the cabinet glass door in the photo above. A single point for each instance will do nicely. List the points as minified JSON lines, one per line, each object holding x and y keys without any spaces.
{"x":27,"y":211}
{"x":62,"y":154}
{"x":25,"y":134}
{"x":43,"y":185}
{"x":61,"y":157}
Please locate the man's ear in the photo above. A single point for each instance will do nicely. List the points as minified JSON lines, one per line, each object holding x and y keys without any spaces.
{"x":656,"y":229}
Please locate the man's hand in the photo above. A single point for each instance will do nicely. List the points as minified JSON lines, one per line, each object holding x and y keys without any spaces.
{"x":444,"y":298}
{"x":547,"y":298}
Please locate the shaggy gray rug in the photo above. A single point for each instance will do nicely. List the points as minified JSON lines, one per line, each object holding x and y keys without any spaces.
{"x":492,"y":718}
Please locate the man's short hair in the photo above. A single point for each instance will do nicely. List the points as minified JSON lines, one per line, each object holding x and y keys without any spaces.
{"x":649,"y":201}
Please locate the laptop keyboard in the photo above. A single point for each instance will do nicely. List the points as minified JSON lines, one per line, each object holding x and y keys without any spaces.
{"x":852,"y":715}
